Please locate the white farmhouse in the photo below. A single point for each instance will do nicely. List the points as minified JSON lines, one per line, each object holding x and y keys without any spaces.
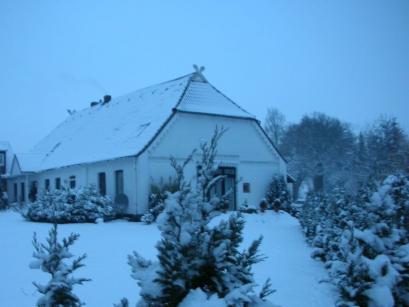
{"x":122,"y":145}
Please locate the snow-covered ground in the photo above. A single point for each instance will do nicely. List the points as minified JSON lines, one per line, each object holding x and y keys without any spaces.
{"x":294,"y":275}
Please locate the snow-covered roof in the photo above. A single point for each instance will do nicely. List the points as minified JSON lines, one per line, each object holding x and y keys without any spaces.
{"x":125,"y":125}
{"x":4,"y":145}
{"x":28,"y":162}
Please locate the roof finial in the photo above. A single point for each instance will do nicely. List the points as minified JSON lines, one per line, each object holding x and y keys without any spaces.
{"x":197,"y":76}
{"x":198,"y":69}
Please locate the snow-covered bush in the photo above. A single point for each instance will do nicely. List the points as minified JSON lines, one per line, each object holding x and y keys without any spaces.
{"x":50,"y":258}
{"x":148,"y":218}
{"x":263,"y":205}
{"x":3,"y":204}
{"x":70,"y":206}
{"x":194,"y":253}
{"x":197,"y":297}
{"x":363,"y":241}
{"x":278,"y":196}
{"x":246,"y":208}
{"x":310,"y":215}
{"x":158,"y":194}
{"x":123,"y":303}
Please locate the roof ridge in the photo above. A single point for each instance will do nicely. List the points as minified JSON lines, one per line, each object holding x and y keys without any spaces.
{"x":129,"y":93}
{"x":152,"y":85}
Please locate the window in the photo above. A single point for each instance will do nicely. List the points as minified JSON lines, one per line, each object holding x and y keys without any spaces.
{"x":119,"y":182}
{"x":58,"y":183}
{"x":102,"y":184}
{"x":71,"y":182}
{"x":22,"y":192}
{"x":246,"y":187}
{"x":15,"y":192}
{"x":47,"y":184}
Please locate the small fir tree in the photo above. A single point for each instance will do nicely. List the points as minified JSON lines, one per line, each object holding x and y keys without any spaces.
{"x":123,"y":303}
{"x":278,"y":195}
{"x":363,"y":240}
{"x":50,"y":258}
{"x":192,"y":253}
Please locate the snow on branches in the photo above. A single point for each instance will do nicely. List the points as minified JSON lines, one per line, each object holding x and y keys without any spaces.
{"x":194,"y":253}
{"x":363,"y":240}
{"x":50,"y":258}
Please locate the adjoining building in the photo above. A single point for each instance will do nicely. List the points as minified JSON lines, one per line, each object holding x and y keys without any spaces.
{"x":6,"y":156}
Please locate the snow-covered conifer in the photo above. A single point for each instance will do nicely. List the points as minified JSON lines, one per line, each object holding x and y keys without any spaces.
{"x":363,"y":241}
{"x":50,"y":257}
{"x":278,"y":195}
{"x":123,"y":303}
{"x":158,"y":193}
{"x":194,"y":253}
{"x":350,"y":272}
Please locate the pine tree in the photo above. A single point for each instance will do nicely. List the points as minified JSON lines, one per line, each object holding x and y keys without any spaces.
{"x":400,"y":254}
{"x":350,"y":272}
{"x":310,"y":215}
{"x":364,"y":243}
{"x":123,"y":303}
{"x":50,"y":258}
{"x":387,"y":147}
{"x":278,"y":195}
{"x":192,"y":253}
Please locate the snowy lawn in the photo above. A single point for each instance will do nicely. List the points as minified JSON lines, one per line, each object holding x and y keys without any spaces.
{"x":294,"y":275}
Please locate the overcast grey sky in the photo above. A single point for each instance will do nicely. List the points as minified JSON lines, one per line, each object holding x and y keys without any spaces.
{"x":349,"y":58}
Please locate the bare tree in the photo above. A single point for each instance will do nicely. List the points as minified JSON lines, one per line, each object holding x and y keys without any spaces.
{"x":274,"y":125}
{"x":319,"y":148}
{"x":388,"y":148}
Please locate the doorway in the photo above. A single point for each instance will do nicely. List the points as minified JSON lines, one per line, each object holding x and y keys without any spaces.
{"x":226,"y":187}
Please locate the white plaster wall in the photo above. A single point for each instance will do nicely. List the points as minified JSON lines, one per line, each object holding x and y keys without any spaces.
{"x":20,"y":178}
{"x":142,"y":183}
{"x":243,"y":146}
{"x":10,"y":187}
{"x":88,"y":174}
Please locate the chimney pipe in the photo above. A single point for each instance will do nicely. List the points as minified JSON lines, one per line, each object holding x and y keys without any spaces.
{"x":107,"y":98}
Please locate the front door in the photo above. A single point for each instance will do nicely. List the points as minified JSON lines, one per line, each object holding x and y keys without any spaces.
{"x":226,"y":187}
